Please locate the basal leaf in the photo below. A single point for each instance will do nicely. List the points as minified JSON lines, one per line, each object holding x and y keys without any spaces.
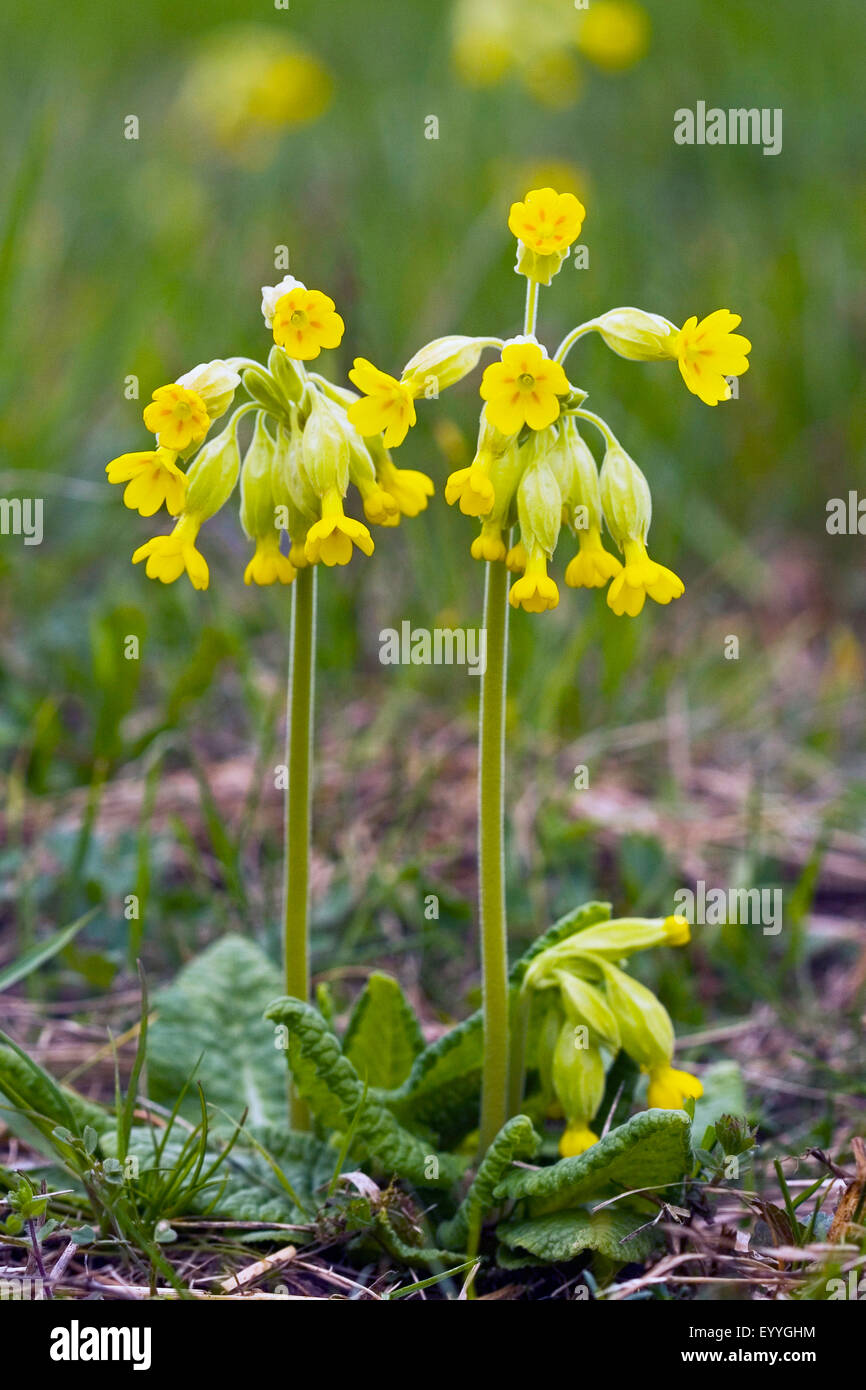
{"x":652,"y":1149}
{"x":563,"y":1235}
{"x":338,"y":1098}
{"x":383,"y":1037}
{"x":516,"y":1139}
{"x":214,"y":1011}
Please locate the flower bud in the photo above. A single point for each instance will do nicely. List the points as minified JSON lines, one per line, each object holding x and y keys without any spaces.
{"x":625,"y":497}
{"x":584,"y":491}
{"x":257,"y":497}
{"x":637,"y":335}
{"x":644,"y":1023}
{"x":215,"y":382}
{"x":539,"y":500}
{"x":325,"y":444}
{"x":265,"y":391}
{"x":213,"y":473}
{"x":578,"y":1076}
{"x":583,"y":1003}
{"x":442,"y":363}
{"x":285,"y":373}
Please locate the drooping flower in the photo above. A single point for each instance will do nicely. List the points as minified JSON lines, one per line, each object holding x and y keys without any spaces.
{"x":535,"y":591}
{"x":332,"y":539}
{"x":710,"y":351}
{"x":592,"y":566}
{"x":152,"y":477}
{"x":305,"y":321}
{"x":640,"y":578}
{"x":523,"y":388}
{"x":472,"y":488}
{"x":169,"y":556}
{"x":177,"y":416}
{"x":269,"y":565}
{"x":669,"y":1087}
{"x":576,"y":1138}
{"x":387,"y":405}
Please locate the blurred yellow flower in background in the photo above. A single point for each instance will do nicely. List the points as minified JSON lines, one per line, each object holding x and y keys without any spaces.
{"x":246,"y":86}
{"x":614,"y":34}
{"x":541,"y":45}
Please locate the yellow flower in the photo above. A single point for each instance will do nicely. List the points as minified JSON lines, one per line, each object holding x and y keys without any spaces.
{"x":614,"y":34}
{"x":387,"y":408}
{"x":472,"y":488}
{"x":523,"y":388}
{"x":592,"y":566}
{"x":268,"y":563}
{"x":152,"y":477}
{"x":168,"y":556}
{"x":710,"y":351}
{"x":380,"y":507}
{"x":676,"y":929}
{"x":331,"y":539}
{"x":177,"y":416}
{"x":546,"y":221}
{"x":305,"y":321}
{"x":576,"y":1139}
{"x":641,"y":576}
{"x":489,"y":545}
{"x":516,"y":560}
{"x":535,"y":592}
{"x":408,"y":487}
{"x":668,"y":1087}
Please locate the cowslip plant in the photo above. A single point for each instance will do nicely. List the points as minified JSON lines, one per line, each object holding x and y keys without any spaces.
{"x":593,"y":1009}
{"x":533,"y":467}
{"x":296,"y":470}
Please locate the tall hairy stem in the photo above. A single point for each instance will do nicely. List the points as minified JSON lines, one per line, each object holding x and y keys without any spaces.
{"x":491,"y":858}
{"x":298,"y":810}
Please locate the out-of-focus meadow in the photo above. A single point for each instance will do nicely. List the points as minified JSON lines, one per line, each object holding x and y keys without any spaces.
{"x":142,"y":257}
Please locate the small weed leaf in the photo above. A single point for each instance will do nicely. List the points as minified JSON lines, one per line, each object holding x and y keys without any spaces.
{"x":339,"y":1100}
{"x":32,"y":1103}
{"x":652,"y":1149}
{"x":516,"y":1139}
{"x":724,"y":1094}
{"x":563,"y":1235}
{"x":383,"y":1037}
{"x":213,"y":1011}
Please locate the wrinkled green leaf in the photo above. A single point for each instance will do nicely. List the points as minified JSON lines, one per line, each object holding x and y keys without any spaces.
{"x":652,"y":1149}
{"x":563,"y":1235}
{"x":516,"y":1139}
{"x":383,"y":1037}
{"x":340,"y":1101}
{"x":214,"y":1010}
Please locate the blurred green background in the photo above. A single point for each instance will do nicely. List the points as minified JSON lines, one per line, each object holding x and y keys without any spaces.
{"x":144,"y":257}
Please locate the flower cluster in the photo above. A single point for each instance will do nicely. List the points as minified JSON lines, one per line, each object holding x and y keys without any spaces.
{"x":594,"y":1008}
{"x":295,"y":472}
{"x":496,"y":39}
{"x":531,"y":464}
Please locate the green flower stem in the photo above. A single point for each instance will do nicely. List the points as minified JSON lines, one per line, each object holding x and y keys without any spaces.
{"x":569,"y":341}
{"x":491,"y":858}
{"x":298,"y":812}
{"x":609,"y":436}
{"x":531,"y":311}
{"x":517,"y":1051}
